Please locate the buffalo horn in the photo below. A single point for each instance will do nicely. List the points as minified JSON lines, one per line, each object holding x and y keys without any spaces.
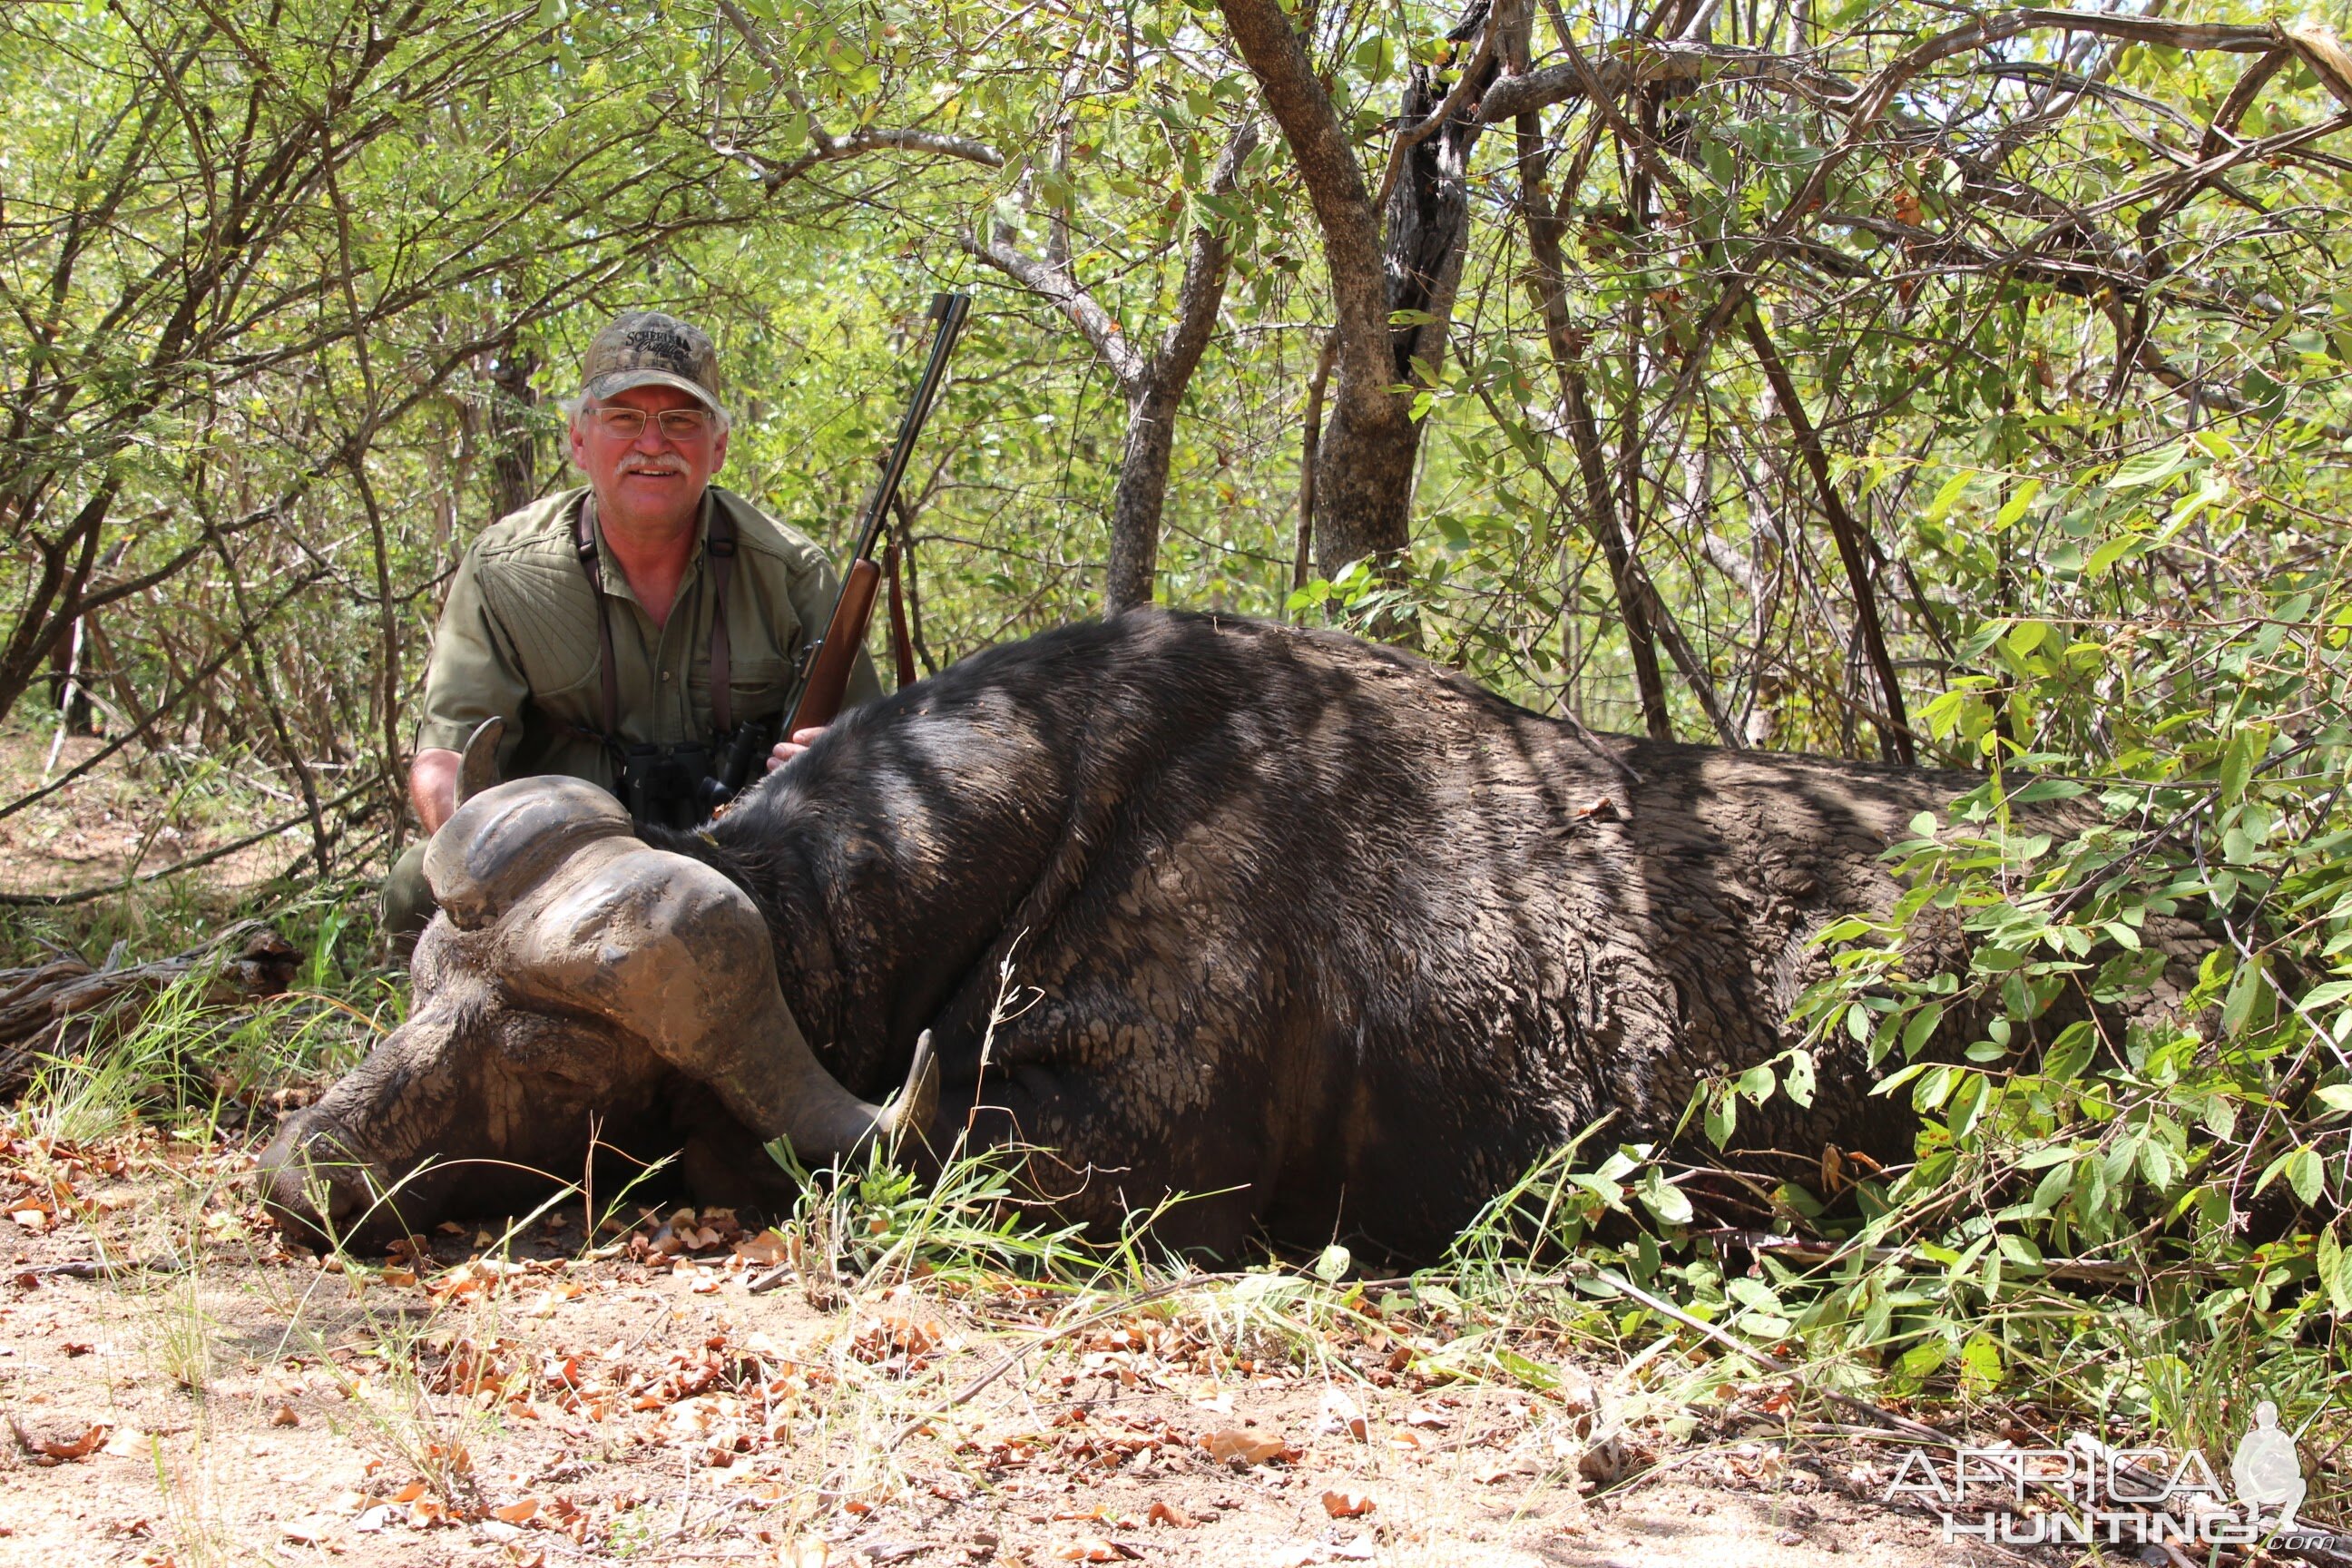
{"x":498,"y":846}
{"x":670,"y":952}
{"x":479,"y":768}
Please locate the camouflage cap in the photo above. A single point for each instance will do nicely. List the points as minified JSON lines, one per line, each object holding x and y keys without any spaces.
{"x":645,"y":348}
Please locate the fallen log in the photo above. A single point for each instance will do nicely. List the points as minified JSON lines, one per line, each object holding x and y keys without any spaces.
{"x":44,"y":1005}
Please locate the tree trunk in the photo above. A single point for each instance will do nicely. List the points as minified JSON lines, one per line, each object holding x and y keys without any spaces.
{"x":1155,"y":397}
{"x":1364,"y":462}
{"x":1154,"y":383}
{"x":1142,"y":496}
{"x":513,"y":455}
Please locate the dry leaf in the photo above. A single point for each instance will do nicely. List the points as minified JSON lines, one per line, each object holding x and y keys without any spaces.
{"x":1165,"y":1513}
{"x":1095,"y":1548}
{"x":766,"y":1249}
{"x":284,"y":1416}
{"x":521,"y":1512}
{"x":45,"y":1451}
{"x":1341,"y":1414}
{"x":1429,"y":1418}
{"x":310,"y":1528}
{"x":809,"y":1551}
{"x":1347,"y":1505}
{"x":1232,"y":1444}
{"x":409,"y":1493}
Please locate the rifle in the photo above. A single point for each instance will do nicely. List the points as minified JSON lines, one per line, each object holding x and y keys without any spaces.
{"x":824,"y":667}
{"x":821,"y":678}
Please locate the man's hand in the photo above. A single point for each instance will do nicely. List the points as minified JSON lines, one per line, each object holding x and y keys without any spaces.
{"x":787,"y":749}
{"x":433,"y":785}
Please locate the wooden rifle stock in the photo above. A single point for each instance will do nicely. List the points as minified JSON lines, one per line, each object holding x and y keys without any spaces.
{"x":824,"y":682}
{"x":845,"y":635}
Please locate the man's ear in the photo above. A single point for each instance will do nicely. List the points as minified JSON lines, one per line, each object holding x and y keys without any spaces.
{"x":718,"y":451}
{"x":577,"y":442}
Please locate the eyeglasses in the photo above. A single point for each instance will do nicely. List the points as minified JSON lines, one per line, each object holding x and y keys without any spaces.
{"x":679,"y":425}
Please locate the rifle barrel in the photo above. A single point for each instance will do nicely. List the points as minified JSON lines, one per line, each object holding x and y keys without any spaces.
{"x":950,"y":311}
{"x":824,"y":667}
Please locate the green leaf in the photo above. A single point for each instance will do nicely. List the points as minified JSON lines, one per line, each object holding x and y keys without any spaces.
{"x":2150,"y":467}
{"x":1967,"y":1103}
{"x":1722,"y":1118}
{"x":1797,"y":1081}
{"x":2335,"y":1273}
{"x":1532,"y":1373}
{"x":2051,"y":1190}
{"x":2071,"y":1052}
{"x":2306,"y":1173}
{"x":2238,"y":764}
{"x":2014,"y":507}
{"x":1332,"y":1265}
{"x":1664,"y":1199}
{"x":2107,"y":554}
{"x":1922,"y":1359}
{"x":1946,"y":498}
{"x":1436,"y":1298}
{"x":2245,"y":990}
{"x":1981,"y":1364}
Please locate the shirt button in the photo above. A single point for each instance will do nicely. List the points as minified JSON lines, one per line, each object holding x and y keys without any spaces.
{"x":664,"y":675}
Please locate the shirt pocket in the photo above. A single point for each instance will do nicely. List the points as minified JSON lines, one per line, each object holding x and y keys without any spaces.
{"x":754,"y":686}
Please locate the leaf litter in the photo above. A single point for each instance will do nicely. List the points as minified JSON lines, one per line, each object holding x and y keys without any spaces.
{"x":644,"y":1387}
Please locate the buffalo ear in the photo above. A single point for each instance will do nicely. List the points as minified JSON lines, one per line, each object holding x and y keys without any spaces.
{"x":478,"y":768}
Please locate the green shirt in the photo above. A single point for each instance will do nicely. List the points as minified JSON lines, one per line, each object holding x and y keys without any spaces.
{"x":518,"y":638}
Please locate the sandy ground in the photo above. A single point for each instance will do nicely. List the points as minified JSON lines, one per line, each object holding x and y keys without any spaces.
{"x":115,"y":821}
{"x":538,"y":1405}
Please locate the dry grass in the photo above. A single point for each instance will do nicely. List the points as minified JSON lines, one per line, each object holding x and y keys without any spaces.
{"x":532,"y":1397}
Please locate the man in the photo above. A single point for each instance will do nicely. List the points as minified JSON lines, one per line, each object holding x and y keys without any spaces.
{"x":590,"y":621}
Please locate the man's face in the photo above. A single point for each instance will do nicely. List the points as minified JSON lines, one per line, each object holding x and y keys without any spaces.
{"x":653,"y":481}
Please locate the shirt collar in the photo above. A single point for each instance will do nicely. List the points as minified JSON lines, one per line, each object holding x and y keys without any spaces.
{"x":616,"y":581}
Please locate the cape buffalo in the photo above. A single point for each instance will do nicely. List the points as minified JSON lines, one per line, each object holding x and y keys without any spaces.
{"x":1308,"y":926}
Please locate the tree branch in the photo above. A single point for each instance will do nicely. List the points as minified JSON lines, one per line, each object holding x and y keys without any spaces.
{"x":1326,"y":157}
{"x":1128,"y":365}
{"x":1852,"y":543}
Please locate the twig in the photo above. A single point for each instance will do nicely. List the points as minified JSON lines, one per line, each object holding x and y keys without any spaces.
{"x":95,"y":1268}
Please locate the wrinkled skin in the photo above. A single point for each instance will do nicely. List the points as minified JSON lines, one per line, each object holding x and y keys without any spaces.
{"x":1311,"y":926}
{"x":503,"y":1090}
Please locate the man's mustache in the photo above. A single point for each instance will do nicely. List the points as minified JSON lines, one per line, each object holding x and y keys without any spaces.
{"x":656,"y":465}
